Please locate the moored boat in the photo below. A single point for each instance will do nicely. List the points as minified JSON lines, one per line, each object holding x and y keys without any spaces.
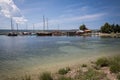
{"x":12,"y":34}
{"x":44,"y":34}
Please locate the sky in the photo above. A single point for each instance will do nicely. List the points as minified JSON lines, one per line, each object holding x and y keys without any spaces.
{"x":61,"y":14}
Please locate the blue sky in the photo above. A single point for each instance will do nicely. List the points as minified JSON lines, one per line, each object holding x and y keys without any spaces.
{"x":68,"y":14}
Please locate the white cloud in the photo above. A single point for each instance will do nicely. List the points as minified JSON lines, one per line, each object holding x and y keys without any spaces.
{"x":9,"y":9}
{"x":88,"y":17}
{"x":73,"y":5}
{"x":72,"y":19}
{"x":81,"y":9}
{"x":20,"y":19}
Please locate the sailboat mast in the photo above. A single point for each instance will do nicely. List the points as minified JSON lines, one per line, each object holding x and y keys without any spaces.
{"x":33,"y":27}
{"x":47,"y":23}
{"x":43,"y":23}
{"x":11,"y":24}
{"x":58,"y":27}
{"x":26,"y":27}
{"x":17,"y":26}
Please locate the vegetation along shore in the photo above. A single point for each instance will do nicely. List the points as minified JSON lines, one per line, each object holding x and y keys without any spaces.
{"x":104,"y":68}
{"x":109,"y":30}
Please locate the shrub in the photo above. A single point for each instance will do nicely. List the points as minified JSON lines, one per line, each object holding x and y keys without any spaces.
{"x":26,"y":77}
{"x":102,"y":62}
{"x":116,"y":59}
{"x":13,"y":78}
{"x":65,"y":78}
{"x":96,"y":67}
{"x":118,"y":76}
{"x":64,"y":71}
{"x":91,"y":74}
{"x":67,"y":69}
{"x":115,"y":68}
{"x":45,"y":76}
{"x":115,"y":65}
{"x":84,"y":65}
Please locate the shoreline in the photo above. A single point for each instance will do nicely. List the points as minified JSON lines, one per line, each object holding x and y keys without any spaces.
{"x":112,"y":35}
{"x":105,"y":35}
{"x":53,"y":68}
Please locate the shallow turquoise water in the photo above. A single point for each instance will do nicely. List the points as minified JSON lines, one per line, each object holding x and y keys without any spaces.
{"x":25,"y":52}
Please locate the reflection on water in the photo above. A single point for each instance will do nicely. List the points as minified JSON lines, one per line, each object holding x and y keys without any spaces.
{"x":26,"y":52}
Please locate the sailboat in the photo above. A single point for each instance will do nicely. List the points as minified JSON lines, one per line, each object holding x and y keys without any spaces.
{"x":26,"y":31}
{"x":43,"y":33}
{"x":12,"y":33}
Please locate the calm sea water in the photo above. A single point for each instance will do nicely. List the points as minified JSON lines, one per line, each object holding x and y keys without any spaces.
{"x":22,"y":53}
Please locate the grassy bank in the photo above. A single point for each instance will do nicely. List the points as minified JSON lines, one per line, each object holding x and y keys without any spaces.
{"x":104,"y":68}
{"x":113,"y":35}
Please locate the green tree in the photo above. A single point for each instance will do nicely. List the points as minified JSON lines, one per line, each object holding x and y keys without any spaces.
{"x":117,"y":28}
{"x":113,"y":28}
{"x":106,"y":28}
{"x":82,"y":27}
